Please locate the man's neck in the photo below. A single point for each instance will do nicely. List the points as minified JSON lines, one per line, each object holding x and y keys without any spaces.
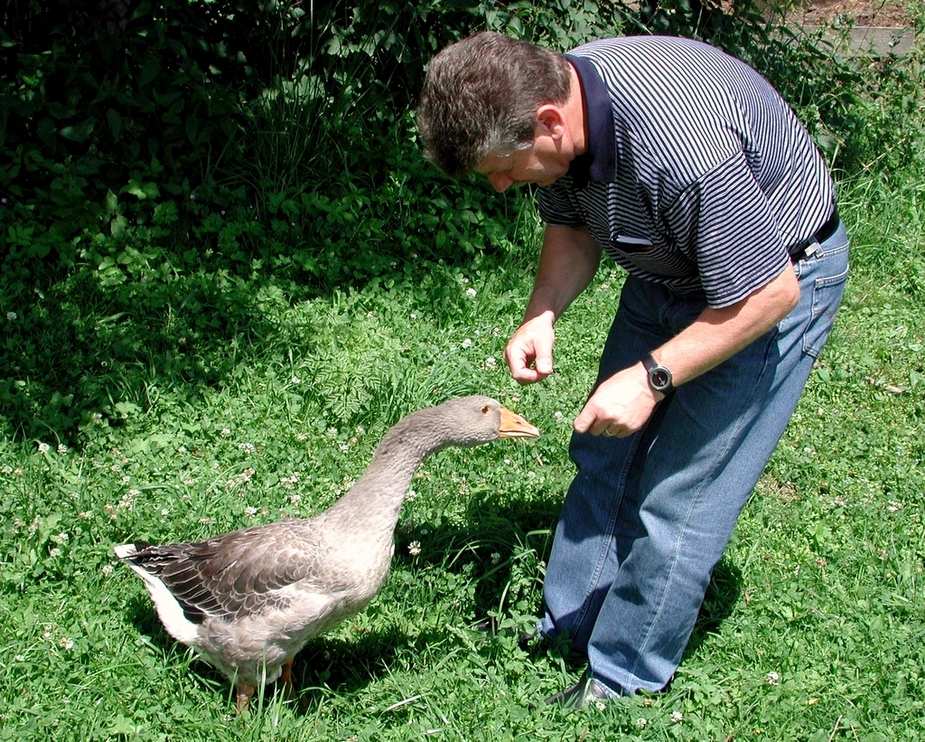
{"x":576,"y":116}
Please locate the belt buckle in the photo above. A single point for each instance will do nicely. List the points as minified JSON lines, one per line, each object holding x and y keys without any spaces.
{"x":812,"y":249}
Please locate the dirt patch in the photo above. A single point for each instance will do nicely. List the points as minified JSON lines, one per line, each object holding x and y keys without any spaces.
{"x":887,"y":13}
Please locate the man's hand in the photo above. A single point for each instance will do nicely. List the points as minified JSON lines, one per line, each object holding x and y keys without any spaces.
{"x":619,"y":406}
{"x":529,"y":351}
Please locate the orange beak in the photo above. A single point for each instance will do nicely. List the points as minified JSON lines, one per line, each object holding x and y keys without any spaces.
{"x":514,"y":426}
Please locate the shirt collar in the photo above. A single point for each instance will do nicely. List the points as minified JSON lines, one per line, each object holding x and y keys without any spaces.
{"x":597,"y":163}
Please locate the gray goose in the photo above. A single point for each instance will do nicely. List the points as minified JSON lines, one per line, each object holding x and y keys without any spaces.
{"x":249,"y":600}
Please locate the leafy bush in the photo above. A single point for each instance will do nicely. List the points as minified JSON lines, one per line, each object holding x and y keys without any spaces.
{"x":160,"y":157}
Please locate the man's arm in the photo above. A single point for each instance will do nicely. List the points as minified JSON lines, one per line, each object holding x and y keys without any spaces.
{"x":568,"y":262}
{"x":623,"y":403}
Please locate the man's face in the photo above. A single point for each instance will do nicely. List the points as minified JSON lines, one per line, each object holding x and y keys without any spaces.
{"x":542,"y":163}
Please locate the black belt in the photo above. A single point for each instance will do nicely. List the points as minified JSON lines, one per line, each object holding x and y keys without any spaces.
{"x":801,"y":249}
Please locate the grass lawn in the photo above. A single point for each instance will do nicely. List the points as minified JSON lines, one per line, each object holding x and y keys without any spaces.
{"x":235,"y":402}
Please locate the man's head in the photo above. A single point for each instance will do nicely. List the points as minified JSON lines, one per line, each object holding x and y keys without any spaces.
{"x":490,"y":103}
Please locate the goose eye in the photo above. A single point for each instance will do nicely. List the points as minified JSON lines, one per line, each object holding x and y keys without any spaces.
{"x":485,"y":409}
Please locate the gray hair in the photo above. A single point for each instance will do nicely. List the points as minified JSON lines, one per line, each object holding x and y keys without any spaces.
{"x":480,"y":97}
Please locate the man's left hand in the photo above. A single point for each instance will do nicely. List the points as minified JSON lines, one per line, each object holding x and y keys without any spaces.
{"x":620,"y":406}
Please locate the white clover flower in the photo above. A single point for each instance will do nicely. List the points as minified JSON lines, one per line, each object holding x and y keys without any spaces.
{"x":44,"y":447}
{"x":7,"y":470}
{"x":641,"y":723}
{"x":331,"y":432}
{"x":54,"y":552}
{"x":17,"y":472}
{"x":225,"y":432}
{"x":61,"y":538}
{"x":250,"y":511}
{"x":414,"y":548}
{"x":301,"y":437}
{"x":471,"y":292}
{"x":677,"y":717}
{"x":62,"y":448}
{"x":467,"y":343}
{"x":247,"y":447}
{"x":67,"y":643}
{"x":414,"y":315}
{"x":165,"y":512}
{"x":495,"y":557}
{"x":894,"y":506}
{"x":490,"y":362}
{"x":295,"y":499}
{"x":19,"y":658}
{"x":295,"y":380}
{"x":558,"y":416}
{"x":96,"y":417}
{"x":107,"y":570}
{"x":464,"y":280}
{"x":773,"y":678}
{"x":344,"y":447}
{"x":11,"y":316}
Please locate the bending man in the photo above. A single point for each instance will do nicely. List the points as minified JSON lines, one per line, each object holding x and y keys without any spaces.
{"x":686,"y":167}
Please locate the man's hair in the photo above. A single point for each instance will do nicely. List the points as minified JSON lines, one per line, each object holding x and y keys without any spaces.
{"x":480,"y":97}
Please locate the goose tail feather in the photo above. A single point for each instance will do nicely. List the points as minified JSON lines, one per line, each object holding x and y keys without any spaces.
{"x":168,"y":608}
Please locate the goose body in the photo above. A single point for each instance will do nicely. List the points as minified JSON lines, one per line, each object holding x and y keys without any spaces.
{"x":249,"y":600}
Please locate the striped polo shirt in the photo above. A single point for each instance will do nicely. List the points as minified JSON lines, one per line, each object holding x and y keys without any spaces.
{"x":698,"y":175}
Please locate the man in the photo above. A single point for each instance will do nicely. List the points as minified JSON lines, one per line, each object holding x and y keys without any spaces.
{"x":687,"y":168}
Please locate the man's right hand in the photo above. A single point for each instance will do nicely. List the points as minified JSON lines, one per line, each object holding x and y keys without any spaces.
{"x":529,"y":351}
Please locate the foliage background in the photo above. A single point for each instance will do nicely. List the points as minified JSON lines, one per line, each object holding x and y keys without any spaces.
{"x":226,"y":270}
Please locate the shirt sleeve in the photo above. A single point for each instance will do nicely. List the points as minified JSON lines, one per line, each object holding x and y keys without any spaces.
{"x":724,"y":220}
{"x":558,"y":205}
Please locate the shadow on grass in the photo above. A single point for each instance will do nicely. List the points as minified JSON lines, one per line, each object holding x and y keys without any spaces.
{"x":516,"y":539}
{"x":86,"y":348}
{"x":325,"y":664}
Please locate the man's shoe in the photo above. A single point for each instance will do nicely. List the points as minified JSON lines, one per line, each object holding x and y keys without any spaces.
{"x":585,"y":692}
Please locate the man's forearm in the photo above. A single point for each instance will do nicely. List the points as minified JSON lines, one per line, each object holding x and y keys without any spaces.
{"x":568,"y":261}
{"x":718,"y":334}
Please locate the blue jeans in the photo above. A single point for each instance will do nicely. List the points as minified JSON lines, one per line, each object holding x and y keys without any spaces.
{"x":647,"y":517}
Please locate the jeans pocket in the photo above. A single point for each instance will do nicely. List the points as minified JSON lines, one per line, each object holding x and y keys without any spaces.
{"x":827,"y":294}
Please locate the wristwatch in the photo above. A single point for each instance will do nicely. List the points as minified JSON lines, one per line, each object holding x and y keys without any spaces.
{"x":659,"y":375}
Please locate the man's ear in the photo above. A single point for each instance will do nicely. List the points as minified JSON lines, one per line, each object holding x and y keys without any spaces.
{"x":549,"y":121}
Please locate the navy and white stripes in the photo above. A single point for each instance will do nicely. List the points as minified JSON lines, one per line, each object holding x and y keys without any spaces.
{"x":709,"y":178}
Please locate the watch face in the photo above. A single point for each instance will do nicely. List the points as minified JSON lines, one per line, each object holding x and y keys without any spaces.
{"x":661,"y":378}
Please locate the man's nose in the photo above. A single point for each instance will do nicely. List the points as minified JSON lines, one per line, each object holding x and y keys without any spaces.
{"x":500,"y":182}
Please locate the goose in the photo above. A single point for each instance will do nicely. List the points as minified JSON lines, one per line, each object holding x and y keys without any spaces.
{"x":249,"y":600}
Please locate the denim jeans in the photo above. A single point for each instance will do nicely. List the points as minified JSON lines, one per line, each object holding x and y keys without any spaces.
{"x":647,"y":517}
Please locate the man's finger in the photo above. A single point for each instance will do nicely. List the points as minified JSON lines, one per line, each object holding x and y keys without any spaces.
{"x":584,"y":421}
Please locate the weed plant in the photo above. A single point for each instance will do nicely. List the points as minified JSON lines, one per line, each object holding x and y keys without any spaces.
{"x":226,"y":272}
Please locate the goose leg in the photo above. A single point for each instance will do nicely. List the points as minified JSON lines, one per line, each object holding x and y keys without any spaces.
{"x":286,"y":675}
{"x":245,"y":692}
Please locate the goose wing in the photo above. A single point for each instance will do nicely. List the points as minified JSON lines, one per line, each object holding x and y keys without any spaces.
{"x":244,"y":572}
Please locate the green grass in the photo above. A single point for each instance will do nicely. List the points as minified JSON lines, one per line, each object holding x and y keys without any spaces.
{"x":247,"y":402}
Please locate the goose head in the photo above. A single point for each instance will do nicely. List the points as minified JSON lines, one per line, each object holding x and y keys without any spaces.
{"x":470,"y":421}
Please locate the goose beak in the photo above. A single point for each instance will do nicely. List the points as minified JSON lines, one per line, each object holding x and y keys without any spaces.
{"x":514,"y":426}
